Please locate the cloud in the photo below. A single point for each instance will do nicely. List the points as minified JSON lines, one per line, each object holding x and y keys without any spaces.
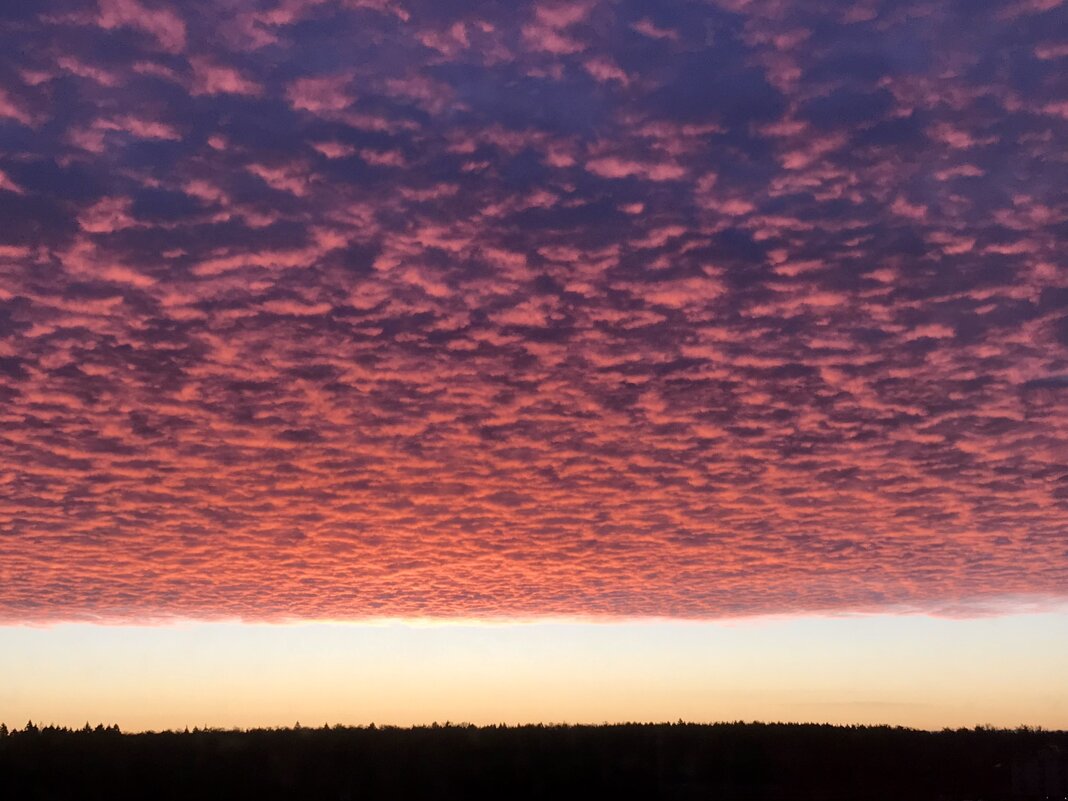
{"x":647,"y":27}
{"x":343,"y":309}
{"x":12,"y":110}
{"x":210,"y":78}
{"x":319,"y":94}
{"x":615,"y":167}
{"x":161,"y":23}
{"x":7,"y":185}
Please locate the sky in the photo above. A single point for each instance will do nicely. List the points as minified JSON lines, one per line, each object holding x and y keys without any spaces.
{"x":922,"y":672}
{"x":615,"y":313}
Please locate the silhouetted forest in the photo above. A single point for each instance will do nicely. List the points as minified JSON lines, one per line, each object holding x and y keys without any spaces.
{"x":750,"y":761}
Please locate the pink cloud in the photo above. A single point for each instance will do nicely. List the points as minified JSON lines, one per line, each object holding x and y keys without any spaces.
{"x":958,"y":138}
{"x":334,"y":150}
{"x":605,"y":70}
{"x":548,"y":40}
{"x":932,"y":330}
{"x":406,"y":337}
{"x":84,"y":260}
{"x":139,"y":127}
{"x":562,"y":14}
{"x":296,"y":308}
{"x":210,"y":78}
{"x":319,"y":94}
{"x":107,"y":215}
{"x":7,"y":185}
{"x":285,"y":178}
{"x":449,"y":42}
{"x":1020,"y":8}
{"x":1052,"y":50}
{"x":903,"y":208}
{"x":10,"y":109}
{"x":959,"y":171}
{"x":82,"y":70}
{"x":427,"y":93}
{"x":384,"y":158}
{"x":166,"y":26}
{"x":648,"y":28}
{"x":681,"y":293}
{"x":1057,"y":109}
{"x":615,"y":167}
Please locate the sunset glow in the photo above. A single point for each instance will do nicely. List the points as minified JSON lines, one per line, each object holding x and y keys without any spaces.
{"x":611,"y":330}
{"x":920,"y":672}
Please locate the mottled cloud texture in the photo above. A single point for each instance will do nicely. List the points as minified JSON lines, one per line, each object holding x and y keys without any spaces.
{"x":347,"y":308}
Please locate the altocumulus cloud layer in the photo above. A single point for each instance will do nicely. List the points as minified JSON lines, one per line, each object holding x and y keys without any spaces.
{"x":345,"y":308}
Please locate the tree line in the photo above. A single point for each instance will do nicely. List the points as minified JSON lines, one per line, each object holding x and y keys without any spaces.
{"x":743,"y":761}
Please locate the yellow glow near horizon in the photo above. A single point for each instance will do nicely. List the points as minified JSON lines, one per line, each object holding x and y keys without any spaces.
{"x":915,"y":671}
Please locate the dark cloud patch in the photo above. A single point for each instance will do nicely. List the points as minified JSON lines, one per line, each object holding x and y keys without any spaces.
{"x":509,"y":97}
{"x":13,"y":367}
{"x":710,"y":84}
{"x":27,"y":221}
{"x":48,"y":178}
{"x":162,"y":206}
{"x":846,"y":108}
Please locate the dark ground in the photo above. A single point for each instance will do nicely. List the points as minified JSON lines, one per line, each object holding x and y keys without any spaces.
{"x":747,"y":762}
